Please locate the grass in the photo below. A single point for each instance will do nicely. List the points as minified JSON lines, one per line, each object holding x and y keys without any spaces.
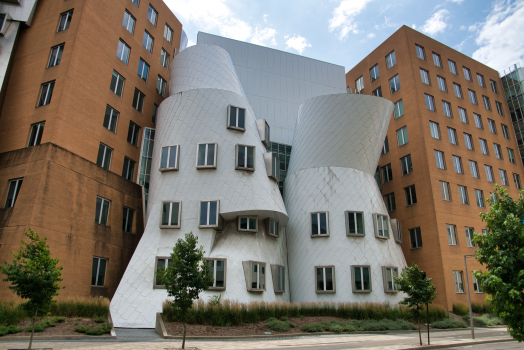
{"x":281,"y":325}
{"x":463,"y":309}
{"x":358,"y":325}
{"x":448,"y":324}
{"x":9,"y":330}
{"x":460,"y":309}
{"x":99,"y":330}
{"x":488,"y":320}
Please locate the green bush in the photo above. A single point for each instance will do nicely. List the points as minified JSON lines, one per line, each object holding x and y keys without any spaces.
{"x":312,"y":328}
{"x":448,"y":324}
{"x":460,"y":309}
{"x":488,"y":320}
{"x":279,"y":325}
{"x":482,"y":308}
{"x":81,"y":307}
{"x":9,"y":330}
{"x":99,"y":330}
{"x":58,"y":319}
{"x":11,"y":314}
{"x":100,"y":319}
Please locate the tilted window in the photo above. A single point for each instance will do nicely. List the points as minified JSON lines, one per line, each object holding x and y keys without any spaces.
{"x":361,"y":278}
{"x":102,"y":211}
{"x":169,"y":159}
{"x":217,"y":270}
{"x":128,"y":170}
{"x":133,"y":133}
{"x":272,"y":227}
{"x":354,"y":223}
{"x":236,"y":118}
{"x":46,"y":92}
{"x":245,"y":157}
{"x":98,"y":275}
{"x":206,"y":155}
{"x":127,"y":222}
{"x":111,"y":118}
{"x":325,"y":279}
{"x":55,"y":56}
{"x":388,"y":275}
{"x":35,"y":137}
{"x":255,"y":273}
{"x":452,"y":234}
{"x":117,"y":84}
{"x":208,"y":215}
{"x":247,"y":224}
{"x":319,"y":224}
{"x":65,"y":20}
{"x":452,"y":134}
{"x":170,"y":215}
{"x":459,"y":284}
{"x":416,"y":237}
{"x":12,"y":192}
{"x":138,"y":100}
{"x":278,"y":273}
{"x":381,"y":224}
{"x":162,"y":263}
{"x":104,"y":156}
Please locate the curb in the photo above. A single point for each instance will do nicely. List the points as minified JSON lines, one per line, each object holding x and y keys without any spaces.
{"x":56,"y":337}
{"x":445,"y":346}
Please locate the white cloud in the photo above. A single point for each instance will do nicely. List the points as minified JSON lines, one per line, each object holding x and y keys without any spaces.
{"x":436,"y":23}
{"x":264,"y":17}
{"x":344,"y":17}
{"x":371,"y":35}
{"x":463,"y":27}
{"x":298,"y":43}
{"x":473,"y":27}
{"x":456,"y":1}
{"x":262,"y":36}
{"x":414,"y":26}
{"x":190,"y":43}
{"x":499,"y":37}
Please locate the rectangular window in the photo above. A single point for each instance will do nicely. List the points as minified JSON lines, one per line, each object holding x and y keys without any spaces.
{"x":463,"y":115}
{"x":359,"y":83}
{"x":206,"y":155}
{"x":389,"y":199}
{"x":472,"y":96}
{"x":474,"y":169}
{"x":492,"y":126}
{"x":391,"y":59}
{"x":319,"y":224}
{"x":416,"y":237}
{"x":104,"y":156}
{"x":169,"y":158}
{"x":152,"y":15}
{"x":445,"y":191}
{"x":170,"y":216}
{"x":217,"y":270}
{"x":479,"y":196}
{"x":439,"y":158}
{"x":143,"y":69}
{"x":487,"y":104}
{"x":354,"y":223}
{"x":168,"y":33}
{"x":442,"y":84}
{"x":373,"y":72}
{"x":236,"y":118}
{"x":161,"y":86}
{"x":12,"y":192}
{"x":458,"y":90}
{"x":257,"y":276}
{"x":387,"y":173}
{"x":505,"y":131}
{"x":424,"y":75}
{"x":399,"y":109}
{"x":128,"y":171}
{"x":411,"y":195}
{"x":381,"y":223}
{"x":208,"y":215}
{"x":247,"y":224}
{"x":164,"y":58}
{"x":483,"y":146}
{"x":136,"y":2}
{"x":516,"y":178}
{"x":65,"y":20}
{"x":389,"y":274}
{"x":452,"y":66}
{"x":127,"y":222}
{"x":452,"y":234}
{"x":56,"y":56}
{"x":457,"y":164}
{"x":480,"y":79}
{"x":245,"y":157}
{"x":325,"y":279}
{"x":147,"y":41}
{"x":430,"y":102}
{"x":155,"y":110}
{"x":478,"y":121}
{"x":98,"y":275}
{"x":138,"y":100}
{"x":385,"y":147}
{"x":467,"y":73}
{"x":394,"y":84}
{"x":494,"y":86}
{"x":511,"y":156}
{"x":46,"y":92}
{"x":162,"y":264}
{"x":435,"y":130}
{"x":111,"y":118}
{"x":35,"y":136}
{"x":132,"y":133}
{"x":129,"y":22}
{"x":498,"y":151}
{"x":459,"y":285}
{"x":274,"y":228}
{"x":503,"y":177}
{"x":117,"y":84}
{"x":452,"y":134}
{"x":377,"y":92}
{"x":469,"y":141}
{"x":489,"y":173}
{"x":406,"y":165}
{"x":102,"y":211}
{"x":469,"y":237}
{"x":476,"y":285}
{"x":420,"y":52}
{"x":446,"y":106}
{"x":122,"y":52}
{"x":500,"y":110}
{"x":361,"y":279}
{"x":463,"y":195}
{"x":272,"y":163}
{"x":402,"y":136}
{"x":436,"y":60}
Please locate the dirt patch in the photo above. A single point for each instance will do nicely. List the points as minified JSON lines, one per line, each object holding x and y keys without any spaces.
{"x":61,"y":329}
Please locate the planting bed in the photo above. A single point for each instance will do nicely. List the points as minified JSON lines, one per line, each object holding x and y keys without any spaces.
{"x":65,"y":328}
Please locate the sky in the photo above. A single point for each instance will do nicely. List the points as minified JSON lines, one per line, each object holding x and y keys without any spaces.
{"x":343,"y":32}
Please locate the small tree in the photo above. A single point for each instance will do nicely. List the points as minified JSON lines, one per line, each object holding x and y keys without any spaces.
{"x":420,"y":292}
{"x":501,"y":251}
{"x":186,"y":276}
{"x":34,"y":275}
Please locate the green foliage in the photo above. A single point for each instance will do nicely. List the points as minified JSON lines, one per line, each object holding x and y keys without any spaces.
{"x":99,"y":330}
{"x":460,"y":309}
{"x":488,"y":320}
{"x":420,"y":290}
{"x":214,"y":300}
{"x":59,"y":319}
{"x":81,"y":307}
{"x":501,"y":251}
{"x":482,"y":308}
{"x":358,"y":325}
{"x":9,"y":330}
{"x":11,"y":314}
{"x":448,"y":324}
{"x":279,"y":325}
{"x":100,"y":319}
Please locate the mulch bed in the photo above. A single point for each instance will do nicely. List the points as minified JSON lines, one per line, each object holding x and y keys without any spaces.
{"x":61,"y":329}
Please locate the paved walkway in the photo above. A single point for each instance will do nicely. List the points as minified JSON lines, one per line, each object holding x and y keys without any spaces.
{"x":144,"y":339}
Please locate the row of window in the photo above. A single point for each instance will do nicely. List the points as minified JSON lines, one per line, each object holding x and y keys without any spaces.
{"x":410,"y":196}
{"x":459,"y":282}
{"x":452,"y":235}
{"x":391,"y":60}
{"x":152,"y":16}
{"x":446,"y":107}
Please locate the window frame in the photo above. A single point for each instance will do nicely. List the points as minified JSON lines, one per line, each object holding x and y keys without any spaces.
{"x":385,"y":279}
{"x":49,"y":87}
{"x":166,"y":265}
{"x":250,"y":267}
{"x":398,"y":109}
{"x":237,"y":118}
{"x":409,"y":189}
{"x":150,"y":39}
{"x":490,"y":177}
{"x":133,"y":133}
{"x":35,"y":136}
{"x":373,"y":70}
{"x":494,"y":87}
{"x":245,"y":168}
{"x":442,"y":83}
{"x":106,"y":147}
{"x":206,"y":155}
{"x":458,"y":90}
{"x":500,"y":108}
{"x":452,"y":67}
{"x":483,"y":146}
{"x":505,"y":131}
{"x":359,"y":84}
{"x":325,"y":291}
{"x":405,"y":138}
{"x":98,"y":272}
{"x":437,"y":60}
{"x":389,"y":200}
{"x":487,"y":103}
{"x":446,"y":107}
{"x":417,"y":234}
{"x":474,"y":169}
{"x":406,"y":166}
{"x":424,"y":76}
{"x":16,"y":191}
{"x":213,"y":272}
{"x":100,"y":214}
{"x":110,"y":118}
{"x":467,"y":74}
{"x":125,"y":48}
{"x":421,"y":53}
{"x":393,"y":59}
{"x":177,"y":158}
{"x":217,"y":225}
{"x":58,"y":56}
{"x":473,"y":97}
{"x":430,"y":102}
{"x":154,"y":16}
{"x":468,"y":141}
{"x":445,"y":191}
{"x":387,"y":173}
{"x":376,"y":226}
{"x":248,"y":229}
{"x":143,"y":63}
{"x":170,"y":214}
{"x":128,"y":172}
{"x":275,"y":274}
{"x":126,"y":218}
{"x":319,"y":234}
{"x":451,"y":230}
{"x":452,"y":131}
{"x":459,"y":285}
{"x":481,"y":202}
{"x":68,"y":19}
{"x":395,"y":83}
{"x":353,"y":280}
{"x":503,"y":179}
{"x":168,"y":29}
{"x":347,"y":213}
{"x":119,"y":78}
{"x":272,"y":224}
{"x":498,"y":151}
{"x":463,"y":194}
{"x":164,"y":58}
{"x":516,"y":179}
{"x":457,"y":164}
{"x":440,"y":160}
{"x":434,"y":127}
{"x":129,"y":17}
{"x":481,"y":81}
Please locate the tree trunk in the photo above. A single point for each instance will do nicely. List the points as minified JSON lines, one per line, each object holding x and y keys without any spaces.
{"x":419,"y":334}
{"x":32,"y":330}
{"x":184,"y":336}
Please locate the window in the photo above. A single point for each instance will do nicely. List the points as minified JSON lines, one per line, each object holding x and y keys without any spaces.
{"x":487,"y":105}
{"x":397,"y":230}
{"x":494,"y":199}
{"x":467,"y":73}
{"x":511,"y":156}
{"x":503,"y":177}
{"x":208,"y":215}
{"x":102,"y":211}
{"x":416,"y":238}
{"x":325,"y":279}
{"x":12,"y":192}
{"x":478,"y":121}
{"x":122,"y":52}
{"x":480,"y":79}
{"x":217,"y":270}
{"x":128,"y":170}
{"x":459,"y":285}
{"x":469,"y":237}
{"x":479,"y":196}
{"x":474,"y":169}
{"x":256,"y":275}
{"x":65,"y":20}
{"x":505,"y":131}
{"x":161,"y":86}
{"x":424,"y":74}
{"x":411,"y":195}
{"x":147,"y":41}
{"x":117,"y":83}
{"x":516,"y":178}
{"x":476,"y":285}
{"x":489,"y":173}
{"x":498,"y":151}
{"x":387,"y":173}
{"x":500,"y":110}
{"x":155,"y":110}
{"x":494,"y":86}
{"x":463,"y":194}
{"x":236,"y":118}
{"x":442,"y":84}
{"x":129,"y":22}
{"x":394,"y":84}
{"x":420,"y":52}
{"x":406,"y":165}
{"x":359,"y":83}
{"x":445,"y":191}
{"x":36,"y":134}
{"x":111,"y":118}
{"x":483,"y":146}
{"x":391,"y":60}
{"x":247,"y":224}
{"x":446,"y":106}
{"x":458,"y":90}
{"x":435,"y":130}
{"x":127,"y":222}
{"x":319,"y":224}
{"x":398,"y":109}
{"x":152,"y":15}
{"x":469,"y":141}
{"x":169,"y":158}
{"x":472,"y":96}
{"x":170,"y":216}
{"x":98,"y":275}
{"x":168,"y":33}
{"x":452,"y":234}
{"x":452,"y":67}
{"x":272,"y":163}
{"x":430,"y":102}
{"x":56,"y":56}
{"x":135,"y":2}
{"x":279,"y":283}
{"x":389,"y":199}
{"x":377,"y":92}
{"x":402,"y":136}
{"x":245,"y":157}
{"x":381,"y":223}
{"x":206,"y":155}
{"x":436,"y":60}
{"x":162,"y":264}
{"x":439,"y":158}
{"x":143,"y":69}
{"x":361,"y":279}
{"x":452,"y":134}
{"x":463,"y":115}
{"x":104,"y":156}
{"x":492,"y":126}
{"x":389,"y":273}
{"x":373,"y":72}
{"x":457,"y":164}
{"x":138,"y":100}
{"x":273,"y":228}
{"x":164,"y":58}
{"x":132,"y":133}
{"x":45,"y":93}
{"x":385,"y":147}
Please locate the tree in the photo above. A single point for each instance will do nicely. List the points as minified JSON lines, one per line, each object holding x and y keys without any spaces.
{"x":501,"y":251}
{"x":34,"y":275}
{"x":186,"y":276}
{"x":420,"y":292}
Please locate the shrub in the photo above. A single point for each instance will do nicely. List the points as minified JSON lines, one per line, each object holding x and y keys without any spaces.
{"x":460,"y":309}
{"x":100,"y":319}
{"x":312,"y":328}
{"x":81,"y":307}
{"x":447,"y":324}
{"x":58,"y":319}
{"x":482,"y":308}
{"x":278,"y":325}
{"x":99,"y":330}
{"x":9,"y":330}
{"x":488,"y":320}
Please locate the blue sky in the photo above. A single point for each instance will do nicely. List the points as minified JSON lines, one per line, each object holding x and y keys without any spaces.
{"x":345,"y":31}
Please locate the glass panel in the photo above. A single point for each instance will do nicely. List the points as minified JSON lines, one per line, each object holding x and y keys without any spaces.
{"x":241,"y":156}
{"x":212,"y":213}
{"x":94,"y":271}
{"x":323,"y":223}
{"x":358,"y":278}
{"x":98,"y":206}
{"x":252,"y":223}
{"x":389,"y":279}
{"x":320,"y":279}
{"x":203,"y":213}
{"x":254,"y":276}
{"x":160,"y":265}
{"x":385,"y":226}
{"x":211,"y":154}
{"x":241,"y":116}
{"x":329,"y":278}
{"x":262,"y":277}
{"x":172,"y":156}
{"x":360,"y":222}
{"x":367,"y":281}
{"x":250,"y":157}
{"x":351,"y":222}
{"x":314,"y":224}
{"x":419,"y":237}
{"x":105,"y":212}
{"x":220,"y":279}
{"x":175,"y":208}
{"x":211,"y":269}
{"x":201,"y":154}
{"x":101,"y":272}
{"x":165,"y":214}
{"x":163,"y":159}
